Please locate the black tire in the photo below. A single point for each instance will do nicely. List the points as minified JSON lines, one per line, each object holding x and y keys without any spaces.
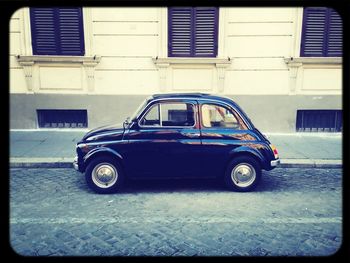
{"x":104,"y":166}
{"x":246,"y":165}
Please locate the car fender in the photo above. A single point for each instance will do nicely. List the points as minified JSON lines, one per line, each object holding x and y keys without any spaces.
{"x":251,"y":151}
{"x":101,"y":150}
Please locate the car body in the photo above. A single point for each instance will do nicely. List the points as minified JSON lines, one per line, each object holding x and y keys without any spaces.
{"x":179,"y":135}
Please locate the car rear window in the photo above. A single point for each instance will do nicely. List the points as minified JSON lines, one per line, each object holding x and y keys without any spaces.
{"x":216,"y":116}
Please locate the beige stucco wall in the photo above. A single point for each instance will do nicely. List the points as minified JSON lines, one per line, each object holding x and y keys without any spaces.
{"x":257,"y":40}
{"x":127,"y":39}
{"x":17,"y":80}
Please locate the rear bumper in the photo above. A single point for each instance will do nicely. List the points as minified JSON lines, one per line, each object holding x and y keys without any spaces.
{"x":274,"y":163}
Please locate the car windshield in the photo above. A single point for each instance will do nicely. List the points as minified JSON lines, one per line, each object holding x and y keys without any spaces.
{"x":139,"y":109}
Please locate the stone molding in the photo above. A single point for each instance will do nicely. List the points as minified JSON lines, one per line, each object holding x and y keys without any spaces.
{"x":164,"y":63}
{"x":298,"y":63}
{"x":88,"y":62}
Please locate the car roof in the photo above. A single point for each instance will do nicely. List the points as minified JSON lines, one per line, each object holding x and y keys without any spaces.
{"x":176,"y":95}
{"x":196,"y":95}
{"x":199,"y":96}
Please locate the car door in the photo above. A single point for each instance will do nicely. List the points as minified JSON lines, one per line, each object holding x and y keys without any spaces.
{"x":222,"y":130}
{"x":165,"y":141}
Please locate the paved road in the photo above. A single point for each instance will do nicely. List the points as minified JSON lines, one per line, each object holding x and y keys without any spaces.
{"x":292,"y":212}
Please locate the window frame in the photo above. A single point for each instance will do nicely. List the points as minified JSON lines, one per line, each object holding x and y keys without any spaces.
{"x":303,"y":126}
{"x":241,"y":122}
{"x":160,"y":115}
{"x":43,"y":114}
{"x":192,"y":39}
{"x":56,"y":26}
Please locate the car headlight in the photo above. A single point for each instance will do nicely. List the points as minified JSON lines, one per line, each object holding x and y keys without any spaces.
{"x":84,"y":147}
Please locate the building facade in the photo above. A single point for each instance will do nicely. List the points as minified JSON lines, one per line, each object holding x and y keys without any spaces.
{"x":90,"y":66}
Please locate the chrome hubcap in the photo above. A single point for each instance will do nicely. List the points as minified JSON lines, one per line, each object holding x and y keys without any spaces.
{"x":243,"y":175}
{"x":104,"y":175}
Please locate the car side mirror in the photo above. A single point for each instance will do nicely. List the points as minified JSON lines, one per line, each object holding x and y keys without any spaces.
{"x":127,"y":121}
{"x":134,"y":123}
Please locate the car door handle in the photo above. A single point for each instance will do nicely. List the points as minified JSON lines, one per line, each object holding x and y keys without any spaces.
{"x":191,"y":134}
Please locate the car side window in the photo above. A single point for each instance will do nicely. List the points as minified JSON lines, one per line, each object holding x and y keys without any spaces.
{"x":152,"y":117}
{"x":215,"y":116}
{"x":174,"y":114}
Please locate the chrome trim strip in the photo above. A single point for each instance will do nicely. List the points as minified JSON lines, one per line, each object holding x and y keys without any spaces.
{"x":160,"y":114}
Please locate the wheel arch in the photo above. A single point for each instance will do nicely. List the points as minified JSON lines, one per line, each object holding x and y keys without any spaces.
{"x":103,"y":152}
{"x":241,"y":152}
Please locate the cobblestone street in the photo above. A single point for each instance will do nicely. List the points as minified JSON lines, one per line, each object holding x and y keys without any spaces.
{"x":292,"y":212}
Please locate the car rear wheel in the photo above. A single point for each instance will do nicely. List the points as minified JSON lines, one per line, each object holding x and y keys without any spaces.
{"x":243,"y":174}
{"x":104,"y":175}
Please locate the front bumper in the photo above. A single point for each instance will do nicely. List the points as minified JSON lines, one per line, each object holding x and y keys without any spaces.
{"x":75,"y":163}
{"x":274,"y":163}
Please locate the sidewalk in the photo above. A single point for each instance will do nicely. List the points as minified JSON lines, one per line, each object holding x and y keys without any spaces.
{"x":56,"y":148}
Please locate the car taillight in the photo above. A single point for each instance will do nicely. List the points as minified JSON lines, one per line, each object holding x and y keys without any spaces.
{"x":274,"y":150}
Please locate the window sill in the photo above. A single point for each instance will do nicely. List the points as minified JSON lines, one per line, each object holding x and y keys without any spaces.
{"x":297,"y":62}
{"x":165,"y":62}
{"x":58,"y":59}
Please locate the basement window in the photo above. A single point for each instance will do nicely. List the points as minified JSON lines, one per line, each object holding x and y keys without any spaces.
{"x":319,"y":121}
{"x":62,"y":118}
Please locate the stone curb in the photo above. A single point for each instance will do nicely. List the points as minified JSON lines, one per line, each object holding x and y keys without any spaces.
{"x":67,"y":163}
{"x":41,"y":162}
{"x":311,"y":163}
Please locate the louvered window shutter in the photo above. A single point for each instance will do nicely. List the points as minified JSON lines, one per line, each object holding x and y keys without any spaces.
{"x":193,"y":31}
{"x":57,"y":31}
{"x":205,"y":32}
{"x":180,"y":32}
{"x":335,"y":34}
{"x":322,"y":33}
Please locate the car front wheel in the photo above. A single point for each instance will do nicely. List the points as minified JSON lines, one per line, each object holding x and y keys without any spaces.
{"x":104,"y":175}
{"x":243,"y":174}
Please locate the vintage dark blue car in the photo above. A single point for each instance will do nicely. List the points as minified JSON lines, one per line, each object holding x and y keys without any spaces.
{"x":177,"y":135}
